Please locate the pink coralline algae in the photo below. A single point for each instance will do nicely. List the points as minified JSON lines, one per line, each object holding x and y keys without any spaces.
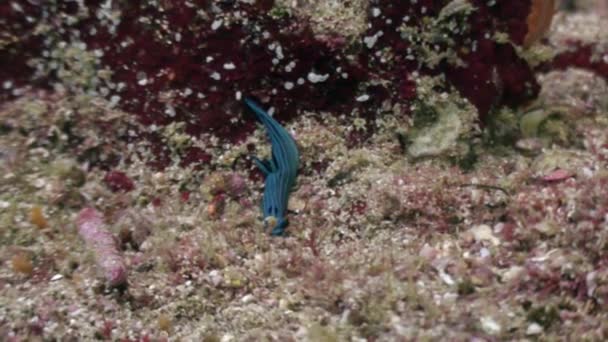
{"x":192,"y":61}
{"x":93,"y":231}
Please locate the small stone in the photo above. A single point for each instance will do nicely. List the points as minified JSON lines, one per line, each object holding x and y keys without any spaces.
{"x":56,"y":277}
{"x":215,"y":277}
{"x":534,"y":329}
{"x":512,"y":273}
{"x":446,"y":278}
{"x":591,"y":282}
{"x":490,"y":326}
{"x":248,"y":299}
{"x":227,"y":338}
{"x":484,"y":233}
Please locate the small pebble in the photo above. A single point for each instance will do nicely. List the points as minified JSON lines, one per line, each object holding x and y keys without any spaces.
{"x":484,"y":233}
{"x":248,"y":299}
{"x":490,"y":326}
{"x":534,"y":329}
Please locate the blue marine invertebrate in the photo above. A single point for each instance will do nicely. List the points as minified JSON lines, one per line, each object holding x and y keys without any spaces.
{"x":279,"y":172}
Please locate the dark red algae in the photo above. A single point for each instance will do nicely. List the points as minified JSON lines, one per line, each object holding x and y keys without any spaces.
{"x":580,"y":56}
{"x":118,"y":181}
{"x":192,"y":61}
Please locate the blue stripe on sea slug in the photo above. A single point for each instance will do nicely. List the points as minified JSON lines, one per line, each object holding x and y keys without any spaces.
{"x":280,"y":171}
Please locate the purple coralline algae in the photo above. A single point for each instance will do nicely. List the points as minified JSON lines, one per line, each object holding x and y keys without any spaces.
{"x":92,"y":230}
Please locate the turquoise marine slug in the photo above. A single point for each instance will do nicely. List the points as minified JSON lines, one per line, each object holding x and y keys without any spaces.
{"x":280,"y":171}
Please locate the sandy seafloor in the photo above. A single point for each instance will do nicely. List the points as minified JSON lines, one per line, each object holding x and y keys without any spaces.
{"x":380,"y":246}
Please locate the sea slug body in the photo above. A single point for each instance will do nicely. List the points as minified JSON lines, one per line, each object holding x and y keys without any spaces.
{"x":280,"y":171}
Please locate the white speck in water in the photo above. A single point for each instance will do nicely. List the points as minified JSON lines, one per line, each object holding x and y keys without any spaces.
{"x":289,"y":85}
{"x":216,"y":24}
{"x":170,"y":111}
{"x":289,"y":67}
{"x":371,"y":41}
{"x":216,"y":76}
{"x":363,"y":98}
{"x":279,"y":52}
{"x":16,"y":7}
{"x":229,"y":66}
{"x":316,"y":78}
